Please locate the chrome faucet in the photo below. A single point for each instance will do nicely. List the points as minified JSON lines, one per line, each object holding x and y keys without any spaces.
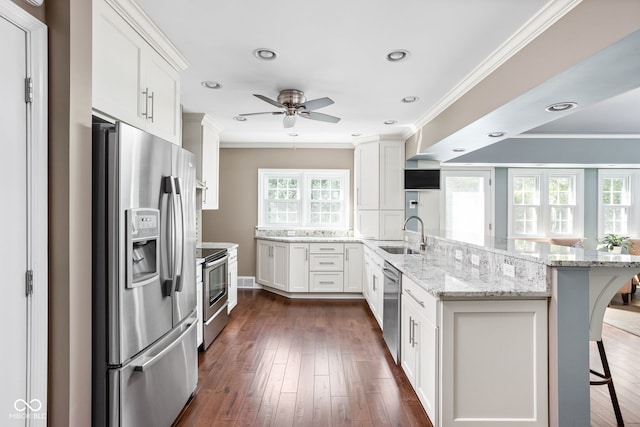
{"x":423,"y":243}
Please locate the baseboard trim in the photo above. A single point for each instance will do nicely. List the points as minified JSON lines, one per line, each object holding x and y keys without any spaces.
{"x":314,"y":295}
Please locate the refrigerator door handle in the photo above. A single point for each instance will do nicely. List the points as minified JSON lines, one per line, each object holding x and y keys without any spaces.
{"x":148,"y":362}
{"x":169,"y":283}
{"x":179,"y":258}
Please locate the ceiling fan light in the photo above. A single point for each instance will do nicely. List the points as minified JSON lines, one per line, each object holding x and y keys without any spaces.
{"x":390,"y":122}
{"x":265,"y":54}
{"x":410,"y":99}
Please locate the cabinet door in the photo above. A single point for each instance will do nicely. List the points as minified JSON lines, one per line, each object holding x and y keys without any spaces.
{"x":162,"y":87}
{"x":366,"y":223}
{"x":264,"y":260}
{"x":353,"y":267}
{"x":378,"y":291}
{"x":210,"y":167}
{"x":233,"y":280}
{"x":298,"y":267}
{"x":408,"y":352}
{"x":426,"y":382}
{"x":391,"y":223}
{"x":117,"y":63}
{"x":392,"y":175}
{"x":367,"y":178}
{"x":280,"y":259}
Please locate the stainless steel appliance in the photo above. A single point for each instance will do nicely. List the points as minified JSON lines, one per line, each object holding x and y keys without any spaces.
{"x":391,"y":309}
{"x":215,"y":292}
{"x":144,"y":358}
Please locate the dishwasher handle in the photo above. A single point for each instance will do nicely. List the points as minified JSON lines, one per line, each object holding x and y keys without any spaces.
{"x":392,"y":275}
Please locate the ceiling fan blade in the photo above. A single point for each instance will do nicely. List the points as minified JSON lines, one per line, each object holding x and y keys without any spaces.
{"x":269,"y":100}
{"x":314,"y":104}
{"x":319,"y":116}
{"x":274,"y":113}
{"x":289,"y":121}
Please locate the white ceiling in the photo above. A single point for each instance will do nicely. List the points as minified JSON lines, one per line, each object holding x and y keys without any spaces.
{"x":332,"y":48}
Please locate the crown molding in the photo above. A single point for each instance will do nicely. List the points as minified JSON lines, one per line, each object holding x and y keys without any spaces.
{"x":204,"y":119}
{"x":539,"y":23}
{"x":142,"y":23}
{"x":576,"y":136}
{"x":288,"y":144}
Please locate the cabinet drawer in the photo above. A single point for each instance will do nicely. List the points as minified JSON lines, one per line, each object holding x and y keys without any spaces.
{"x":326,"y":282}
{"x":326,"y":248}
{"x":411,"y":291}
{"x":329,"y":262}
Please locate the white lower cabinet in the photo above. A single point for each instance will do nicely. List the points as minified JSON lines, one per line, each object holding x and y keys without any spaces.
{"x":374,"y":284}
{"x":298,"y":267}
{"x":353,"y":267}
{"x":273,"y":264}
{"x":233,"y":278}
{"x":199,"y":303}
{"x":419,"y":344}
{"x":476,"y":363}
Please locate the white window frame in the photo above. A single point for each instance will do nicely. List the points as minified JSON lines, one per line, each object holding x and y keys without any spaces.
{"x":544,"y":210}
{"x":304,"y":177}
{"x":633,"y":177}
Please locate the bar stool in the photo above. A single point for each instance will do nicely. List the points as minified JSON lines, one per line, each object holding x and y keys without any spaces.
{"x":601,"y":290}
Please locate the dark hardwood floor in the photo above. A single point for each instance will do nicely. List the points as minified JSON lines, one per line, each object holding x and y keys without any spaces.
{"x":282,"y":362}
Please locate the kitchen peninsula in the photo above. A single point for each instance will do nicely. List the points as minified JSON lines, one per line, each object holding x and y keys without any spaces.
{"x":502,"y":330}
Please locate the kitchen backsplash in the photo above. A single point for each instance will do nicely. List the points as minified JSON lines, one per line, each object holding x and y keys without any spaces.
{"x":302,"y":233}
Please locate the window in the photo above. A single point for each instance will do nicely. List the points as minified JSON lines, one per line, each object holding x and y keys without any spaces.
{"x":615,"y":196}
{"x":303,"y":198}
{"x":545,"y":202}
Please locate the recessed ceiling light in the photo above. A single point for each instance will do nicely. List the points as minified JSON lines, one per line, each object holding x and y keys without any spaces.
{"x":459,"y":150}
{"x":397,"y":55}
{"x":410,"y":99}
{"x":240,"y":118}
{"x":265,"y":54}
{"x":390,"y":122}
{"x":561,"y":106}
{"x":293,"y":134}
{"x":211,"y":84}
{"x":356,"y":134}
{"x":496,"y":134}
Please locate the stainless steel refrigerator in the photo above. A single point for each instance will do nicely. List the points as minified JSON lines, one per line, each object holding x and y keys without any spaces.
{"x":144,"y":294}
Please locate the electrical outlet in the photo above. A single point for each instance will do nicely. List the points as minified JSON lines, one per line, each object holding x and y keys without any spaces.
{"x":458,"y":254}
{"x":508,"y":270}
{"x":475,"y":260}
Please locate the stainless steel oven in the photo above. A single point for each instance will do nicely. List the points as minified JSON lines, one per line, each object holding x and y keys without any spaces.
{"x":215,"y":293}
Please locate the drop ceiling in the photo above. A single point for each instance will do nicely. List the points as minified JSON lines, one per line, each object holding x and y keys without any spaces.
{"x":336,"y":49}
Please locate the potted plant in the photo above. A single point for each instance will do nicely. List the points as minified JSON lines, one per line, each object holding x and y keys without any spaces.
{"x":615,"y":243}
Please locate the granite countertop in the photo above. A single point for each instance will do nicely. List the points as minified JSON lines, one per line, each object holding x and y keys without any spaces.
{"x":311,"y":239}
{"x":446,"y":280}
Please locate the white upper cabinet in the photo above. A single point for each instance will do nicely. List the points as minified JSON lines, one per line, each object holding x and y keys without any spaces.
{"x":132,"y":82}
{"x":200,"y":136}
{"x":379,"y":189}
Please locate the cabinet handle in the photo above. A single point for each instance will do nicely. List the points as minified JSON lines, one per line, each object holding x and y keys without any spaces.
{"x":374,"y":283}
{"x":326,"y":263}
{"x":326,"y":283}
{"x":327,"y":249}
{"x":145,"y":92}
{"x":414,"y":334}
{"x":150,"y":117}
{"x":204,"y":193}
{"x":270,"y":251}
{"x":411,"y":331}
{"x":306,"y":254}
{"x":346,"y":254}
{"x":414,"y":297}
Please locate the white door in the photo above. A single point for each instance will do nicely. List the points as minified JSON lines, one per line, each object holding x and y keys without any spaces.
{"x":467,"y":205}
{"x":13,"y":224}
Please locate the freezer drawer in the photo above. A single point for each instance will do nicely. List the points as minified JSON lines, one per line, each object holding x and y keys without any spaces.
{"x":152,"y":389}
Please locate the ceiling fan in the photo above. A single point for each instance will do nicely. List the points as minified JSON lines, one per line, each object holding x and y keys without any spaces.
{"x":293,"y":102}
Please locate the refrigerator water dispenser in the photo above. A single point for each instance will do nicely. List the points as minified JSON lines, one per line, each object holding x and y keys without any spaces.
{"x":143,"y":247}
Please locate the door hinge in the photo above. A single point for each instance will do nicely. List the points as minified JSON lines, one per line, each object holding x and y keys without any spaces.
{"x":29,"y":282}
{"x":28,"y":90}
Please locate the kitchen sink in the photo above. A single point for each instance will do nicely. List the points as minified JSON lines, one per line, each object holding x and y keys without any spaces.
{"x":398,"y":250}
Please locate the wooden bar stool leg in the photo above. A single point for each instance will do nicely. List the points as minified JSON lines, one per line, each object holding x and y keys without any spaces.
{"x":608,"y":380}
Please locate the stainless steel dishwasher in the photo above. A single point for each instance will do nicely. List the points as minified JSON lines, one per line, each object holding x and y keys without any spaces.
{"x":391,"y":309}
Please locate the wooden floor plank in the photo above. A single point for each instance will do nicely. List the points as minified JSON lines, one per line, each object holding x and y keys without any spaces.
{"x":321,"y":401}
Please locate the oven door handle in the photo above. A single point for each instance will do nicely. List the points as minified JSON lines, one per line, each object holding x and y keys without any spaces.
{"x":216,"y":262}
